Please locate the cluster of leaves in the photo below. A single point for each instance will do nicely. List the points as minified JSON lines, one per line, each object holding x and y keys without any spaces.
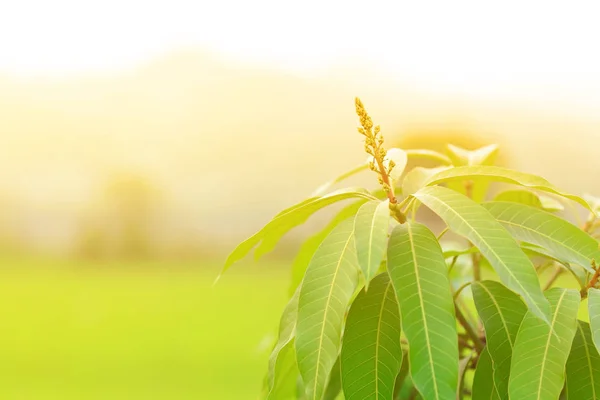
{"x":378,"y":306}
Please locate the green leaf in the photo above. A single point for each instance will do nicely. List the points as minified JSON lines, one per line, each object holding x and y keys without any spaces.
{"x":461,"y":157}
{"x":329,"y":283}
{"x":541,"y":351}
{"x":563,"y":239}
{"x":280,"y":361}
{"x":286,"y":374}
{"x":483,"y":381}
{"x":594,"y":201}
{"x":502,"y":175}
{"x":308,"y":248}
{"x":399,"y":158}
{"x":530,"y":198}
{"x":534,"y":250}
{"x":371,"y":226}
{"x":334,"y":386}
{"x":501,"y":312}
{"x":520,"y":196}
{"x":594,"y":311}
{"x":483,"y":156}
{"x":327,"y":185}
{"x":414,"y":153}
{"x":474,"y":222}
{"x":371,"y":354}
{"x":418,"y":272}
{"x":430,"y":154}
{"x":583,"y":366}
{"x":456,"y":253}
{"x":268,"y":237}
{"x":417,"y":178}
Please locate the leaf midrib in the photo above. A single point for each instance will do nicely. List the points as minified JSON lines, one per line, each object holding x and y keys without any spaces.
{"x":504,"y":324}
{"x":415,"y":263}
{"x":385,"y":292}
{"x":525,"y":293}
{"x":554,"y":317}
{"x":588,"y":358}
{"x":337,"y":269}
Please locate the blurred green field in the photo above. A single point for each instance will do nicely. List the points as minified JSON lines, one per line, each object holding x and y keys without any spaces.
{"x":123,"y":331}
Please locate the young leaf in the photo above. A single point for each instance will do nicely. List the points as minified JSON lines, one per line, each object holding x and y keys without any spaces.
{"x":563,"y":239}
{"x":541,"y":351}
{"x":326,"y":290}
{"x":461,"y":157}
{"x":419,"y":274}
{"x":371,"y":354}
{"x":530,"y":198}
{"x":594,"y":311}
{"x":399,"y":158}
{"x":520,"y":196}
{"x":474,"y":222}
{"x":308,"y":248}
{"x":483,"y":381}
{"x":502,"y":175}
{"x":501,"y":312}
{"x":583,"y":366}
{"x":483,"y":156}
{"x":430,"y":154}
{"x":371,"y":233}
{"x":268,"y":237}
{"x":418,"y":177}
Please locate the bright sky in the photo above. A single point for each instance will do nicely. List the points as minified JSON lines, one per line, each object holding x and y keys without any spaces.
{"x":473,"y":46}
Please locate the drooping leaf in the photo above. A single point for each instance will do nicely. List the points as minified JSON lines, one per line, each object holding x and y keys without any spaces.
{"x":501,"y":312}
{"x":326,"y":290}
{"x":534,"y":250}
{"x":417,"y":178}
{"x":563,"y":239}
{"x":583,"y":366}
{"x":371,"y":354}
{"x":308,"y":248}
{"x":541,"y":351}
{"x":334,"y":386}
{"x":280,"y":379}
{"x":371,"y":233}
{"x":594,"y":311}
{"x":327,"y":185}
{"x":483,"y":381}
{"x":418,"y":272}
{"x":268,"y":237}
{"x":474,"y":222}
{"x":502,"y":175}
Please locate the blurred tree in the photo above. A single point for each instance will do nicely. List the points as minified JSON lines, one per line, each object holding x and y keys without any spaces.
{"x":121,"y":224}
